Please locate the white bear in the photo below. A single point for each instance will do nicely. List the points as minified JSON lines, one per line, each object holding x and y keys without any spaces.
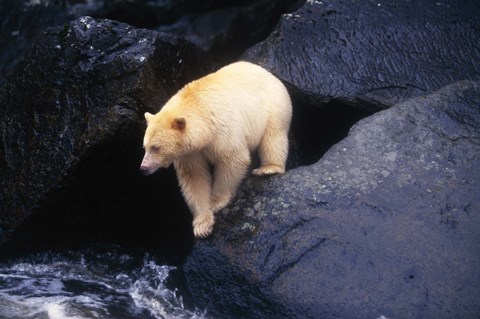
{"x":208,"y":130}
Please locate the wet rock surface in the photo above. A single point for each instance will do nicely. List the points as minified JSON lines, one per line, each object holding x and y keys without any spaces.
{"x":71,"y":126}
{"x":373,"y":54}
{"x":225,"y":28}
{"x":228,"y":29}
{"x":385,"y":224}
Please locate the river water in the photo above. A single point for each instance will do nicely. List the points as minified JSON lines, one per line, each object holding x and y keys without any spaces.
{"x":92,"y":283}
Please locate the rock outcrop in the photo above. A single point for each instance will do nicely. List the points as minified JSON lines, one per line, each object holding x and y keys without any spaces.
{"x":373,"y":54}
{"x":387,"y":223}
{"x":224,"y":28}
{"x":71,"y":122}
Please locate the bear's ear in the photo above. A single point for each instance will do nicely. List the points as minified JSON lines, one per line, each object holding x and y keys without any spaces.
{"x":148,"y":117}
{"x":179,"y":123}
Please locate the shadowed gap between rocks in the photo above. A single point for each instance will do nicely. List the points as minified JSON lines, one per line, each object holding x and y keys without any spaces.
{"x":110,"y":201}
{"x":315,"y":128}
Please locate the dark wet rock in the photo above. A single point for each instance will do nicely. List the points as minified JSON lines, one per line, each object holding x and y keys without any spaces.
{"x":71,"y":128}
{"x":373,"y":53}
{"x":225,"y":28}
{"x":22,"y":21}
{"x":228,"y":28}
{"x":387,"y":223}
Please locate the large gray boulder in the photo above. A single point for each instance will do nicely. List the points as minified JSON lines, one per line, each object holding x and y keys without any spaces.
{"x":373,"y":54}
{"x":386,"y":223}
{"x":71,"y":129}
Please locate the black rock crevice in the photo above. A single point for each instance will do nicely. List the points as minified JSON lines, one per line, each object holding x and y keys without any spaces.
{"x":317,"y":127}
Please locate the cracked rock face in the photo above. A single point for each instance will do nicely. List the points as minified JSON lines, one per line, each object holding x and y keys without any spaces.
{"x":386,"y":223}
{"x":71,"y":122}
{"x":373,"y":53}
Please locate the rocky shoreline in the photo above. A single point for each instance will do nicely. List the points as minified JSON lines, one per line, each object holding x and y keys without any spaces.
{"x":381,"y":219}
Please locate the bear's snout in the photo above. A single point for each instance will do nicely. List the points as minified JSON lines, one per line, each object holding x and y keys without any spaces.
{"x":146,"y":165}
{"x":145,"y":170}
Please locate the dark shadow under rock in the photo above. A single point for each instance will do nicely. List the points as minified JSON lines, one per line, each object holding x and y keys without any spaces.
{"x":387,"y":224}
{"x":105,"y":198}
{"x":375,"y":54}
{"x":316,"y":127}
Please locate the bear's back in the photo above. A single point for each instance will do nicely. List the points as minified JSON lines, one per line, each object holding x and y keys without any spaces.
{"x":237,"y":102}
{"x":240,"y":86}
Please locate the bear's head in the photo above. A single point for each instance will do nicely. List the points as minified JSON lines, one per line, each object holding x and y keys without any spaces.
{"x":163,"y":141}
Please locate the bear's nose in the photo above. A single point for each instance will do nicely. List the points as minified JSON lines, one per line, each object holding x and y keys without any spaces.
{"x":144,"y":170}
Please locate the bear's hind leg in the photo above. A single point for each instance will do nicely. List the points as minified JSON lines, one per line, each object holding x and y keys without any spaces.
{"x":196,"y":183}
{"x":273,"y":151}
{"x":228,"y":173}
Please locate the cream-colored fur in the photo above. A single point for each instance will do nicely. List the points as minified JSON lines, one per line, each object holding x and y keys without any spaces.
{"x":216,"y":122}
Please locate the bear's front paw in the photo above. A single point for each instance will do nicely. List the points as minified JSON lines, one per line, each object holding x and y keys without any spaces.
{"x":203,"y":225}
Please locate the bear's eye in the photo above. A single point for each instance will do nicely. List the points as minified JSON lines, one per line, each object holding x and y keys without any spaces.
{"x":155,"y":148}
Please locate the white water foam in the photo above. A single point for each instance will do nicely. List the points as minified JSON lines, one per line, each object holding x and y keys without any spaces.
{"x":79,"y":289}
{"x":149,"y":292}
